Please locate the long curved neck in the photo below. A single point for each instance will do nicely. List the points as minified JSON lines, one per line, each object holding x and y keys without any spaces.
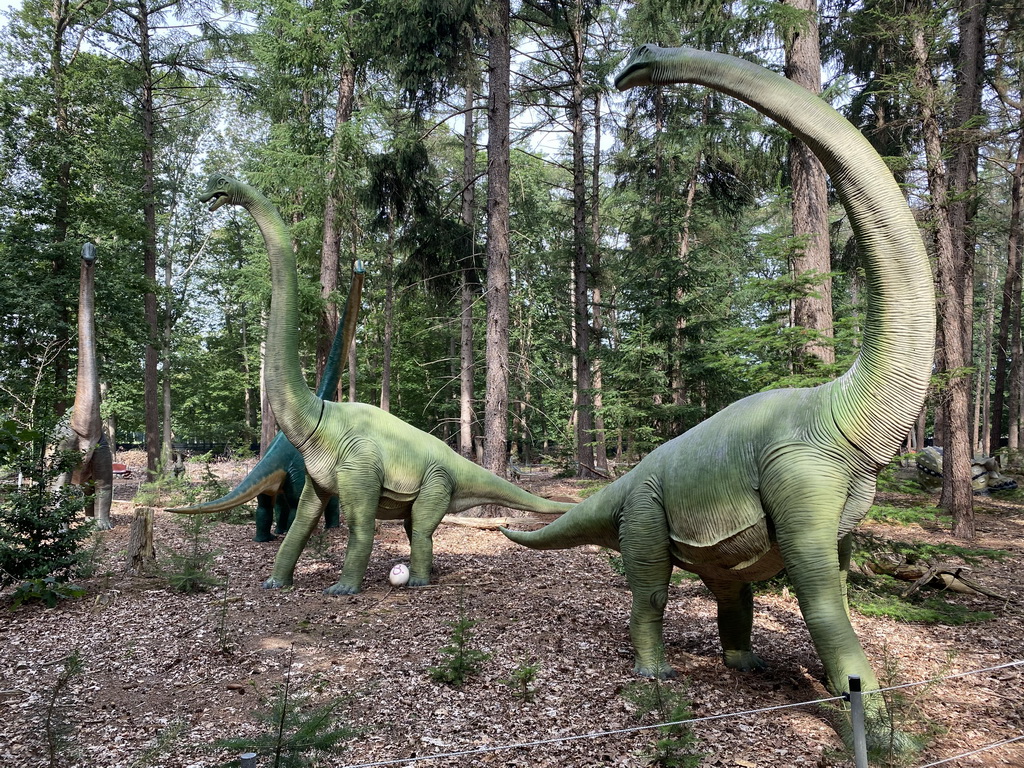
{"x":85,"y":418}
{"x":296,"y":409}
{"x":877,"y":400}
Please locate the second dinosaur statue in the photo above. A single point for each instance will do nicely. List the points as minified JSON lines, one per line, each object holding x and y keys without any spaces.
{"x":277,"y":480}
{"x":82,"y":431}
{"x":798,"y":466}
{"x":376,"y":464}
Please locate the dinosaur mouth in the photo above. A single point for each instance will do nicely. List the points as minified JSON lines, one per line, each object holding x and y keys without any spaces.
{"x":637,"y":70}
{"x":218,"y":199}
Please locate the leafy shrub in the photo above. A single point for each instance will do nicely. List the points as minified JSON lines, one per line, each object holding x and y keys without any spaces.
{"x":41,"y":531}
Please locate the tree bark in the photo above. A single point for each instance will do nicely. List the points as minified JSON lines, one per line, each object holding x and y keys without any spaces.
{"x":600,"y":446}
{"x":330,"y":246}
{"x":951,"y":357}
{"x":581,"y":269}
{"x":467,"y":270}
{"x":151,"y":378}
{"x":498,"y":268}
{"x":812,"y":311}
{"x":1009,"y":315}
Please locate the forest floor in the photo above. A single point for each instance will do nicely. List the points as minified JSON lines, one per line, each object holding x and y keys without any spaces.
{"x":167,"y":675}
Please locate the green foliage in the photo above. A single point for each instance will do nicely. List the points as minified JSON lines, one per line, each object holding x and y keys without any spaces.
{"x":190,"y":571}
{"x":669,"y":704}
{"x":882,"y":598}
{"x":58,"y":724}
{"x":298,"y":733}
{"x":41,"y":530}
{"x":48,"y":591}
{"x":521,"y":680}
{"x":884,"y":513}
{"x":459,"y":659}
{"x":890,"y":478}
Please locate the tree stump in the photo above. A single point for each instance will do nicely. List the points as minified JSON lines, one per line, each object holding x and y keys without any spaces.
{"x":141,"y":551}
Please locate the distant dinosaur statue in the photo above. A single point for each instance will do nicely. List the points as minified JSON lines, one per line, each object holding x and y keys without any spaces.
{"x":796,"y":469}
{"x":278,"y":478}
{"x":986,"y":474}
{"x":82,"y":429}
{"x":378,"y":466}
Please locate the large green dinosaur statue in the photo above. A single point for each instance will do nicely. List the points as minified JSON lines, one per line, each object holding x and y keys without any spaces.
{"x":377,"y":465}
{"x":83,"y":429}
{"x":986,"y":477}
{"x":278,"y":478}
{"x":798,"y":466}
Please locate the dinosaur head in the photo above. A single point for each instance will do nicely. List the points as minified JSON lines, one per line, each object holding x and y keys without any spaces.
{"x":89,"y":253}
{"x":641,"y":67}
{"x":222,"y":190}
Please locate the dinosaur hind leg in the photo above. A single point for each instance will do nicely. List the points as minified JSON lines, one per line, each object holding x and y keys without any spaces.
{"x":429,"y":507}
{"x":735,"y":622}
{"x":644,"y":544}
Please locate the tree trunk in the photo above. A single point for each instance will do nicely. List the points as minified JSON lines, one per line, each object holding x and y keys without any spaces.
{"x":1009,"y":315}
{"x":151,"y":378}
{"x":581,"y":271}
{"x":600,"y":447}
{"x":957,"y":496}
{"x":812,"y":311}
{"x":330,"y":246}
{"x":467,"y":269}
{"x":141,"y":554}
{"x":498,"y":268}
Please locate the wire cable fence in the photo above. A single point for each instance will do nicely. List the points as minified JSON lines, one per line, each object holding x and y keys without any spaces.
{"x":697,"y":721}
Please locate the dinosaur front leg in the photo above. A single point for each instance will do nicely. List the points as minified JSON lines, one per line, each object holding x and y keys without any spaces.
{"x":805,"y":501}
{"x":103,"y":484}
{"x":427,"y":511}
{"x":311,"y":505}
{"x":735,"y":622}
{"x":644,"y":544}
{"x":359,"y":492}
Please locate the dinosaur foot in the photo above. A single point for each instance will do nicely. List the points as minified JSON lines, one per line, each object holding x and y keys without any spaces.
{"x":273,"y":583}
{"x":103,"y":525}
{"x":341,"y":588}
{"x":416,"y":581}
{"x":744,"y":661}
{"x":662,"y":671}
{"x":264,"y":537}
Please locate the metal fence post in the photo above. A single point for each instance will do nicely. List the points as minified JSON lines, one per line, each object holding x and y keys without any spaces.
{"x":860,"y":744}
{"x":248,"y":760}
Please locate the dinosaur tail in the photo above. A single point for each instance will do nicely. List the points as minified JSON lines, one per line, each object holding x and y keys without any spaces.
{"x":478,"y":486}
{"x":254,"y":484}
{"x":877,"y":400}
{"x":590,"y":522}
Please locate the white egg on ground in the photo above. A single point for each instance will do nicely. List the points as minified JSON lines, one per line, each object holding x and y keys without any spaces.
{"x":399,"y":575}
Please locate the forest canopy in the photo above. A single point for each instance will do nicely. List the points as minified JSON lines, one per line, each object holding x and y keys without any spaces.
{"x":656,"y":263}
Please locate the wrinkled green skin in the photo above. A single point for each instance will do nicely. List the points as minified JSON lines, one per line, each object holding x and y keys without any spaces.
{"x":82,"y":431}
{"x":796,"y":468}
{"x":378,"y":466}
{"x":985,"y":475}
{"x":278,"y":478}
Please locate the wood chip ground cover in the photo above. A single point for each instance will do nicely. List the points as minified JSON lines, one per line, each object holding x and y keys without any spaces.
{"x":167,"y":675}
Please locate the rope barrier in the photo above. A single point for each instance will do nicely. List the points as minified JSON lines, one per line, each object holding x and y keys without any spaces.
{"x":591,"y":735}
{"x":692,"y":721}
{"x":1002,"y":743}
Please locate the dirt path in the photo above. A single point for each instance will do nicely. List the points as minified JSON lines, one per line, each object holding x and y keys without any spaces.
{"x":174,"y":673}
